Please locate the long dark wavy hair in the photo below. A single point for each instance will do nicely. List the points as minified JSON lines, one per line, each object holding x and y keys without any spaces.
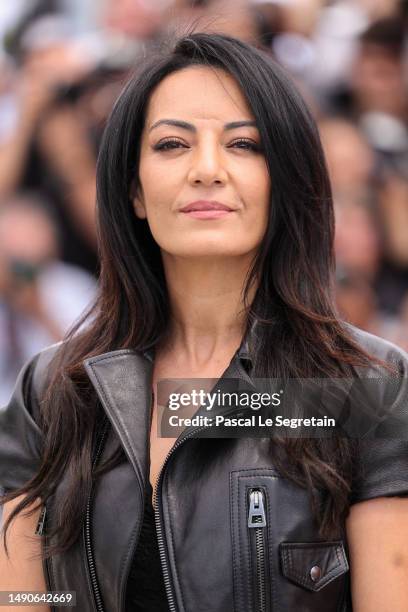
{"x":301,"y":334}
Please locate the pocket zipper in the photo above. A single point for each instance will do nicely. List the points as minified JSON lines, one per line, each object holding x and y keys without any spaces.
{"x":257,"y":521}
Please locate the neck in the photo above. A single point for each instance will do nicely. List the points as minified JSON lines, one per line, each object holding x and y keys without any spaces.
{"x":208,"y":314}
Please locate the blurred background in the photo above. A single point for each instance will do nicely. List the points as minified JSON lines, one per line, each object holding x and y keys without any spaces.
{"x":63,"y":63}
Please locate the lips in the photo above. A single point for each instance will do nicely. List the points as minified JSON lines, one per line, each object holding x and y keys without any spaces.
{"x":207,"y":210}
{"x":201,"y":205}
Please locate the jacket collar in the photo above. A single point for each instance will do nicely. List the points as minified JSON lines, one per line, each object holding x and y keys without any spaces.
{"x":122,"y":380}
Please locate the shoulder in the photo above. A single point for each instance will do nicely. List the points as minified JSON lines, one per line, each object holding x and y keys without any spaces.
{"x":383,"y":391}
{"x":21,"y":437}
{"x":22,"y":411}
{"x":381,"y":468}
{"x":39,"y":368}
{"x":379,"y":348}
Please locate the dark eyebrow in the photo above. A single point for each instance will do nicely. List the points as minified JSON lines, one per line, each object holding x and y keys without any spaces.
{"x":191,"y":128}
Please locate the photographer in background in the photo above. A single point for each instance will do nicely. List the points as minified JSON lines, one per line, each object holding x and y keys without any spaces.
{"x":40,"y":297}
{"x":50,"y":146}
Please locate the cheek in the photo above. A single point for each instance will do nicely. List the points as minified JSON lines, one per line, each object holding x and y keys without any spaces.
{"x":158,"y":201}
{"x":258,"y":198}
{"x":159,"y":188}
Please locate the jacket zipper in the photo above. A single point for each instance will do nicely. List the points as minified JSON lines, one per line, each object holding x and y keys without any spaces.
{"x":157,"y":517}
{"x":41,"y":522}
{"x":257,"y":521}
{"x":87,"y":530}
{"x":157,"y":508}
{"x":40,"y":530}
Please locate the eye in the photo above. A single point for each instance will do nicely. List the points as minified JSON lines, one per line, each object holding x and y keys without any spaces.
{"x":168,"y":145}
{"x":246,"y":144}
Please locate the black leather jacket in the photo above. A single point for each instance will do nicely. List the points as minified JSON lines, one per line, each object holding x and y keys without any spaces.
{"x":212,"y":561}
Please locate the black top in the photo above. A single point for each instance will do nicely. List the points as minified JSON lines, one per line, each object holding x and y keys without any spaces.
{"x":145,"y":587}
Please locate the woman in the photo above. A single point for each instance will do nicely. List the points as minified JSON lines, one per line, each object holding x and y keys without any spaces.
{"x":216,"y":229}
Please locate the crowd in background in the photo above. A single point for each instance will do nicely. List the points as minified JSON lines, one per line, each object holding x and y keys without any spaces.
{"x":63,"y":64}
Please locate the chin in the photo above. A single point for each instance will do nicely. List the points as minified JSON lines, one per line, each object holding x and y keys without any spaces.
{"x":219,"y":250}
{"x":221,"y":245}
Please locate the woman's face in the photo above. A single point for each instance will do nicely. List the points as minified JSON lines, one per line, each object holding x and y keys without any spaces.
{"x":203,"y":160}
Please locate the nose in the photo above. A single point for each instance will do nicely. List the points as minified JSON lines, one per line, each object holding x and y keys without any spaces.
{"x":207,"y":165}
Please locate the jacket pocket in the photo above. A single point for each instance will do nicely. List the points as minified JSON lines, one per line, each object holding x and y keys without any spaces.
{"x":313,"y":565}
{"x":317,"y":568}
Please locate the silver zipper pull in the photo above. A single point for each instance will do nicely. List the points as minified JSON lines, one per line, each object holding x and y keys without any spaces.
{"x":41,"y":522}
{"x":256,"y":515}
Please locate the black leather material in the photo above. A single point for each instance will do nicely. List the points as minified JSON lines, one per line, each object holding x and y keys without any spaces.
{"x":21,"y":437}
{"x":299,"y":559}
{"x":202,"y":501}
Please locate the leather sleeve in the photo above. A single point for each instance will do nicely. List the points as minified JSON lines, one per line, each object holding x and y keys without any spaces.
{"x":382,"y":461}
{"x":21,"y":438}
